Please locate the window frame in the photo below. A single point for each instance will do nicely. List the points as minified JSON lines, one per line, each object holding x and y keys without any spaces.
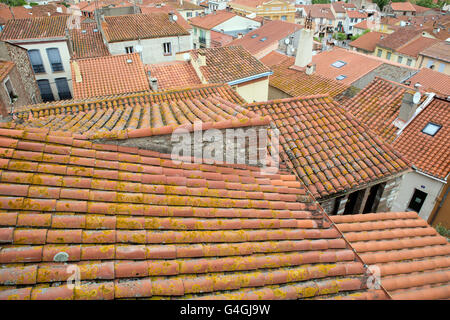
{"x":66,"y":95}
{"x":12,"y":90}
{"x":56,"y":66}
{"x":169,"y":51}
{"x":439,"y":127}
{"x":51,"y":91}
{"x":36,"y":66}
{"x":129,"y":49}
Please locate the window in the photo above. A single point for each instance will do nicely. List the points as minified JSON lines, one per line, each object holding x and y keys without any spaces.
{"x":431,"y":128}
{"x":36,"y":61}
{"x":63,"y":88}
{"x":167,"y":48}
{"x":283,"y":17}
{"x":263,"y":39}
{"x":430,"y":64}
{"x":188,"y":14}
{"x":129,"y":49}
{"x":408,"y":62}
{"x":55,"y":59}
{"x":388,"y":55}
{"x":441,"y":67}
{"x":417,"y":200}
{"x":339,"y":64}
{"x":46,"y":90}
{"x":379,"y":52}
{"x":254,"y":36}
{"x":341,"y":77}
{"x":195,"y":31}
{"x":399,"y":59}
{"x":10,"y":91}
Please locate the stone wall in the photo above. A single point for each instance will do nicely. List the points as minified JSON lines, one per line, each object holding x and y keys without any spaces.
{"x":225,"y":145}
{"x":19,"y":90}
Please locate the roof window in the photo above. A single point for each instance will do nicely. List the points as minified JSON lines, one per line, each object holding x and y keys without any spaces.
{"x":341,"y":77}
{"x":263,"y":39}
{"x":339,"y":64}
{"x":254,"y":36}
{"x":431,"y":128}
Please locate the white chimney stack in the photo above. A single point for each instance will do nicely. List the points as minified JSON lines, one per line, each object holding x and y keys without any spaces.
{"x":305,"y":44}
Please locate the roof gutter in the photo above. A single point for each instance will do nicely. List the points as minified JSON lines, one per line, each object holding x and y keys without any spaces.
{"x":428,"y":175}
{"x":257,"y":76}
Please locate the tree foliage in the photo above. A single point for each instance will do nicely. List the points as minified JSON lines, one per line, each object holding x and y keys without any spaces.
{"x":14,"y":3}
{"x":320,"y":1}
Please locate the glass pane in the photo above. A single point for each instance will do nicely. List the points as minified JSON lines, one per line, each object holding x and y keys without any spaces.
{"x":63,"y":88}
{"x":55,"y":59}
{"x":46,"y":91}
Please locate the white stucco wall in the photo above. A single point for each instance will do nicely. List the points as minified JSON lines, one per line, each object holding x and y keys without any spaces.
{"x":256,"y":91}
{"x":412,"y":181}
{"x":49,"y":74}
{"x":153,"y":50}
{"x":237,"y":23}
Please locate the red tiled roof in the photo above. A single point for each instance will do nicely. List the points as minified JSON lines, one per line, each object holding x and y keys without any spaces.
{"x":420,"y":9}
{"x":35,"y":28}
{"x":298,"y":83}
{"x":352,"y":69}
{"x":175,"y":74}
{"x":144,"y":114}
{"x":272,"y":31}
{"x":432,"y":80}
{"x":413,"y":259}
{"x":167,"y":8}
{"x":225,"y":64}
{"x":320,"y":11}
{"x":430,"y":154}
{"x":249,"y":3}
{"x":402,"y":6}
{"x":368,"y":41}
{"x":109,"y":75}
{"x":140,"y":26}
{"x":211,"y":20}
{"x":86,"y":43}
{"x":399,"y":38}
{"x":440,"y":50}
{"x":378,"y":105}
{"x":414,"y":47}
{"x":329,"y":150}
{"x":219,"y":39}
{"x":5,"y":68}
{"x":139,"y":225}
{"x":356,"y":14}
{"x":361,"y":25}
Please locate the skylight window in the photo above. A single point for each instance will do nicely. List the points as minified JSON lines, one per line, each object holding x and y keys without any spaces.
{"x":254,"y":36}
{"x":431,"y":128}
{"x":263,"y":39}
{"x":339,"y":64}
{"x":341,"y":77}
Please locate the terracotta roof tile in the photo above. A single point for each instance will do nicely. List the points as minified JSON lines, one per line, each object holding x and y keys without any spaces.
{"x":87,"y":43}
{"x":367,"y":41}
{"x":400,"y":37}
{"x":167,"y":8}
{"x":272,"y":31}
{"x":296,"y":82}
{"x":226,"y":64}
{"x":219,"y":39}
{"x":172,"y":75}
{"x":163,"y":243}
{"x":140,"y":26}
{"x":413,"y":259}
{"x":138,"y":115}
{"x":328,"y":149}
{"x":439,"y":51}
{"x":108,"y":75}
{"x":430,"y":154}
{"x":35,"y":28}
{"x":378,"y":105}
{"x":211,"y":20}
{"x":432,"y":80}
{"x":414,"y":47}
{"x":402,"y":6}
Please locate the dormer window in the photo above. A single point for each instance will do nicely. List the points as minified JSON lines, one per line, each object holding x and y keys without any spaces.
{"x":431,"y":128}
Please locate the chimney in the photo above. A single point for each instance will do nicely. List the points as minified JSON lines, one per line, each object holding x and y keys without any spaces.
{"x":153,"y":82}
{"x":240,"y":35}
{"x":408,"y":107}
{"x":201,"y":59}
{"x":76,"y":69}
{"x":305,"y":44}
{"x":310,"y":69}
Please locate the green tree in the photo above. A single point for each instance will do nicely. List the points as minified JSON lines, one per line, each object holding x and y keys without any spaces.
{"x":320,"y":1}
{"x":340,"y":36}
{"x":429,"y":3}
{"x":14,"y":3}
{"x":359,"y":35}
{"x":381,"y":3}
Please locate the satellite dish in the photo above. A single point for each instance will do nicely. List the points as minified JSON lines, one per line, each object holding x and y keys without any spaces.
{"x":175,"y":17}
{"x":416,"y":97}
{"x":286,"y":41}
{"x":139,"y":48}
{"x":186,"y":56}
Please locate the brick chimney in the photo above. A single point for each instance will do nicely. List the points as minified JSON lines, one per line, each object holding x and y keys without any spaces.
{"x":408,"y":107}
